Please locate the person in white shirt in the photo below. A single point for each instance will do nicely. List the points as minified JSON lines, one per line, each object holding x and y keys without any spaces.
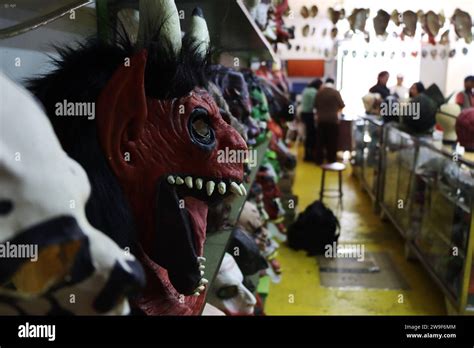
{"x":399,"y":89}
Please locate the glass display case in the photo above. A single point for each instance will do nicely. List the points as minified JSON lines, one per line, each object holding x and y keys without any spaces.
{"x":442,"y":211}
{"x":427,"y":192}
{"x":398,"y":161}
{"x":368,"y":132}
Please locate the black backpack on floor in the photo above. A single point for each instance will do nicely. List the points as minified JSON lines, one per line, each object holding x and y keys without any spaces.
{"x":314,"y":228}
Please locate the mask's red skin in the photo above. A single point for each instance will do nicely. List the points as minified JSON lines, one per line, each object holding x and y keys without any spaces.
{"x":156,"y":136}
{"x":275,"y":129}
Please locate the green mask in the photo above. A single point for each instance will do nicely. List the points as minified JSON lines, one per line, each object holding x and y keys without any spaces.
{"x":260,"y":109}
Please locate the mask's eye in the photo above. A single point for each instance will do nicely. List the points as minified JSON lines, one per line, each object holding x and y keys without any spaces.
{"x":200,"y":129}
{"x":203,"y":130}
{"x":228,"y":292}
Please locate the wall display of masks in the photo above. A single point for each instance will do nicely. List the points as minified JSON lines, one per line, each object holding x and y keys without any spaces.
{"x":318,"y":29}
{"x":316,"y":33}
{"x":100,"y":204}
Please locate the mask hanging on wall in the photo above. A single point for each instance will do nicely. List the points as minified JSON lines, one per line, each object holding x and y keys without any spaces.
{"x":396,"y":18}
{"x":305,"y":30}
{"x":381,"y":22}
{"x":336,"y":15}
{"x":410,"y":19}
{"x":432,"y":23}
{"x":304,"y":12}
{"x":357,"y":21}
{"x":73,"y":267}
{"x":228,"y":292}
{"x":462,"y":22}
{"x":445,"y":38}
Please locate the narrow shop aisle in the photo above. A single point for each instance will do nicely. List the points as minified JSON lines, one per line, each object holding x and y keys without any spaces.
{"x":300,"y":292}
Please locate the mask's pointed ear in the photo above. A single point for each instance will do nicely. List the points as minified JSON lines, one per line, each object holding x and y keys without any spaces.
{"x":121,"y":114}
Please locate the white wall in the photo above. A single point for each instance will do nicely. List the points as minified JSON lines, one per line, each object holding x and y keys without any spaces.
{"x":357,"y":74}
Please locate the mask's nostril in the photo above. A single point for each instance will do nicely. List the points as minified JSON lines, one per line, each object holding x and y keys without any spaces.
{"x":6,"y":206}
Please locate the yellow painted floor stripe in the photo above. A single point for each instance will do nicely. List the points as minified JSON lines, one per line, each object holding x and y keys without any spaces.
{"x":300,"y":293}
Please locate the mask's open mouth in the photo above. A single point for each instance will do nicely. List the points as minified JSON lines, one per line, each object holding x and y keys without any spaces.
{"x":181,"y":221}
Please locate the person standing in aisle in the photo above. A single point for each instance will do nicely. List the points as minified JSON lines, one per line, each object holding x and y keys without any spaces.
{"x":399,"y":89}
{"x":329,"y":104}
{"x":465,"y":99}
{"x":381,"y":86}
{"x":307,"y":115}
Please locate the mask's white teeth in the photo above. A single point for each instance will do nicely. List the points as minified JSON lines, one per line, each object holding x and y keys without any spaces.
{"x":210,"y":187}
{"x":222,"y":188}
{"x":235,"y":188}
{"x":199,"y":183}
{"x":171,"y":180}
{"x":202,"y":267}
{"x":201,"y":288}
{"x":201,"y":259}
{"x":197,"y":294}
{"x":244,"y":191}
{"x":179,"y":181}
{"x":189,"y":182}
{"x":202,"y":273}
{"x":204,"y":281}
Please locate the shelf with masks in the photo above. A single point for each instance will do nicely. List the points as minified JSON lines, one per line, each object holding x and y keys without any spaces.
{"x":233,"y":30}
{"x":25,"y":16}
{"x":216,"y":243}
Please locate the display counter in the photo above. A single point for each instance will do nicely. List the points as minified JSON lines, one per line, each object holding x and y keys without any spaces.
{"x":368,"y":134}
{"x":398,"y":157}
{"x":443,"y":196}
{"x":426,"y":189}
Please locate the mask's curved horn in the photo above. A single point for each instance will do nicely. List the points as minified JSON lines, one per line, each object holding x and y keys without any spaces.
{"x":199,"y":33}
{"x":159,"y":23}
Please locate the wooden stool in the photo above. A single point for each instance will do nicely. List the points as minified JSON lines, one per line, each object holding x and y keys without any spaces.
{"x":332,"y":167}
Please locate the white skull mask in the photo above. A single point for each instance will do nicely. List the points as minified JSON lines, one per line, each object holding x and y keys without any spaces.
{"x":228,"y":293}
{"x":43,"y":194}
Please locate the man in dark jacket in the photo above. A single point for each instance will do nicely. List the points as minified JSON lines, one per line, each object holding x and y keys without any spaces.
{"x":381,"y":86}
{"x":328,"y":105}
{"x":424,"y":110}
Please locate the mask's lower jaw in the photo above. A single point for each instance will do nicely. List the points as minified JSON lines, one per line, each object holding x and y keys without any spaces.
{"x":180,"y":235}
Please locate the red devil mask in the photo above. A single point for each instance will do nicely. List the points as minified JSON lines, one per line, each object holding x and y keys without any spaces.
{"x":165,"y":156}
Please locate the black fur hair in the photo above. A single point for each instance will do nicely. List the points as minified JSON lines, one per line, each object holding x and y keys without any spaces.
{"x":168,"y":77}
{"x":80,"y":75}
